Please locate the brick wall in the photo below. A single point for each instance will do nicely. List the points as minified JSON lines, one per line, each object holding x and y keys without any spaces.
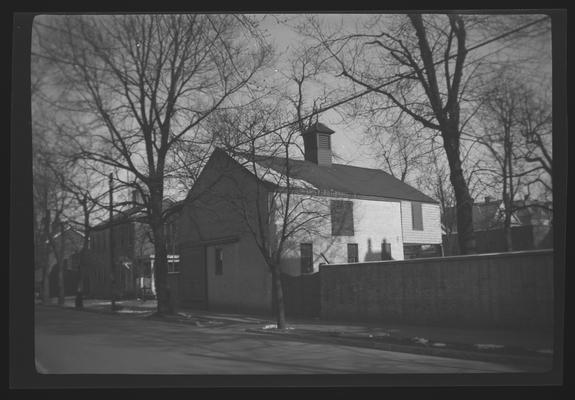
{"x":494,"y":290}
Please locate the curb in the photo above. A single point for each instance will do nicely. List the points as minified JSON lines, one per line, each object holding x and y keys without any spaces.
{"x":106,"y":311}
{"x":542,"y":363}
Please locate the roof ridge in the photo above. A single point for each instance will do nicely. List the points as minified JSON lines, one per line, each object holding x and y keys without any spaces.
{"x":422,"y":196}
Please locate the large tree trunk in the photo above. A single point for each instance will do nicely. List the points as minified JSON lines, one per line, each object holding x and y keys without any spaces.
{"x":279,"y":297}
{"x":463,"y":200}
{"x":163,"y":295}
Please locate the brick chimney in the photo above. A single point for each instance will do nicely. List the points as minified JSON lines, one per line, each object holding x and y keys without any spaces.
{"x":317,"y":144}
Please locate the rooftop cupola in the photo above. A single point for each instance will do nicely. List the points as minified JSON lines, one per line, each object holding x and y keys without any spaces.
{"x":317,"y":144}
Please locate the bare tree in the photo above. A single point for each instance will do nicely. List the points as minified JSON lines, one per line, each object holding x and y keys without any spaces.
{"x":501,"y":139}
{"x":535,"y":123}
{"x":280,"y":207}
{"x":81,"y":184}
{"x":419,"y":67}
{"x":401,"y":148}
{"x":140,"y":84}
{"x":433,"y":179}
{"x":516,"y":133}
{"x":50,"y":203}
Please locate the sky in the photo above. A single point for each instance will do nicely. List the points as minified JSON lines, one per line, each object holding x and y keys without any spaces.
{"x":348,"y":136}
{"x":347,"y":139}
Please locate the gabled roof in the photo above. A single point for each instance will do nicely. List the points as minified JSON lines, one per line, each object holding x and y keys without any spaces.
{"x":345,"y":179}
{"x":318,"y":127}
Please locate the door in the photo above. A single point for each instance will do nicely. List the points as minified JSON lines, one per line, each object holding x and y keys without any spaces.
{"x":193,"y":291}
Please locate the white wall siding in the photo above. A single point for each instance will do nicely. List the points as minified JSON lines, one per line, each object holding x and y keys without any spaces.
{"x":431,"y":233}
{"x":374,"y":221}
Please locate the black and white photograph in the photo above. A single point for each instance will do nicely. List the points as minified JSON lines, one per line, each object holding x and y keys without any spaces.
{"x":328,"y":195}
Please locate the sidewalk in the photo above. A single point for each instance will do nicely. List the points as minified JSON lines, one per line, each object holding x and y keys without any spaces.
{"x":523,"y":346}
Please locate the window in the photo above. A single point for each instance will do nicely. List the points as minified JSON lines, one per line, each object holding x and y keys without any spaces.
{"x":173,"y":267}
{"x":173,"y":264}
{"x":386,"y":251}
{"x":219,"y":261}
{"x":306,"y":258}
{"x":324,"y":142}
{"x":341,"y":218}
{"x":352,"y":256}
{"x":416,"y":216}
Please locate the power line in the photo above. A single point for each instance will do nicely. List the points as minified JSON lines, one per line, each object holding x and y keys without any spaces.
{"x":392,"y":81}
{"x":400,"y":77}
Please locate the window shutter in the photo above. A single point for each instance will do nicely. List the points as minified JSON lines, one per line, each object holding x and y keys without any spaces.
{"x":342,"y":218}
{"x":352,"y":253}
{"x":416,"y":216}
{"x":306,"y":258}
{"x":324,"y":142}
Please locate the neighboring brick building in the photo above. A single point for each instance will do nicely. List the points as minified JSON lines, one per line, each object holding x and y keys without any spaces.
{"x":368,"y":215}
{"x":133,"y":252}
{"x":531,"y":227}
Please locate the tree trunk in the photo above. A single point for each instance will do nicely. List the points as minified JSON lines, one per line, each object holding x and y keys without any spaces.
{"x":510,"y":196}
{"x":79,"y":302}
{"x":61,"y":288}
{"x":279,"y":297}
{"x":508,"y":239}
{"x":46,"y":257}
{"x":507,"y":222}
{"x":61,"y":294}
{"x":163,"y":295}
{"x":463,"y":200}
{"x":46,"y":284}
{"x":111,"y":242}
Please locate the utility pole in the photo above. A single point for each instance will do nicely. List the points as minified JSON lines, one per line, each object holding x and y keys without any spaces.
{"x":111,"y":241}
{"x":46,"y":254}
{"x":61,"y":288}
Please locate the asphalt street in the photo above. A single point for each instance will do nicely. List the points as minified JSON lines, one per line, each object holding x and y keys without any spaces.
{"x":75,"y":342}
